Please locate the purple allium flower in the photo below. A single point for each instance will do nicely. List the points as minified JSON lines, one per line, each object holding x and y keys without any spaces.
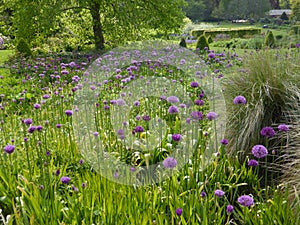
{"x":267,"y":132}
{"x":298,"y":45}
{"x":246,"y":200}
{"x":41,"y":187}
{"x":229,"y":208}
{"x":57,"y":172}
{"x":146,"y":118}
{"x":116,"y":174}
{"x":173,"y":109}
{"x":136,"y":103}
{"x":48,"y":153}
{"x":283,"y":127}
{"x":27,"y":121}
{"x":194,"y":84}
{"x":169,"y":163}
{"x":106,"y":107}
{"x":69,"y":112}
{"x":9,"y":149}
{"x":46,"y":96}
{"x":224,"y":141}
{"x":219,"y":193}
{"x":58,"y":125}
{"x":96,"y":134}
{"x":163,"y":97}
{"x":120,"y":132}
{"x":132,"y":169}
{"x":188,"y":120}
{"x":75,"y":188}
{"x":252,"y":162}
{"x":80,"y":161}
{"x":211,"y":55}
{"x":196,"y":115}
{"x":83,"y":185}
{"x":121,"y":102}
{"x":211,"y":115}
{"x":39,"y":128}
{"x":239,"y":100}
{"x":259,"y":151}
{"x":31,"y":129}
{"x":203,"y":194}
{"x":199,"y":102}
{"x":65,"y":180}
{"x":139,"y":129}
{"x":172,"y":99}
{"x":178,"y":211}
{"x":37,"y":106}
{"x":182,"y":105}
{"x":176,"y":137}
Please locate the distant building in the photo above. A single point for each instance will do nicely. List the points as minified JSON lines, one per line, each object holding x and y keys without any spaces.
{"x":278,"y":12}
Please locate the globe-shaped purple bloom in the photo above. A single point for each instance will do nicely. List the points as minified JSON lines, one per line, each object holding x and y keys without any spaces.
{"x":219,"y":193}
{"x":239,"y":100}
{"x":31,"y":129}
{"x":283,"y":127}
{"x":199,"y":102}
{"x":37,"y":106}
{"x":203,"y":194}
{"x":169,"y":163}
{"x":224,"y":142}
{"x":252,"y":162}
{"x":211,"y":116}
{"x":194,"y":84}
{"x":267,"y":132}
{"x":196,"y":115}
{"x":179,"y":211}
{"x":9,"y":149}
{"x":69,"y":112}
{"x":173,"y":99}
{"x":39,"y":128}
{"x":173,"y":109}
{"x":65,"y":180}
{"x":27,"y":121}
{"x":259,"y":151}
{"x":229,"y":208}
{"x":139,"y":129}
{"x":176,"y":137}
{"x":246,"y":200}
{"x":146,"y":118}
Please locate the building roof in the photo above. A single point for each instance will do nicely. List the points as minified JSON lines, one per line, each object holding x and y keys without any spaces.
{"x":278,"y":12}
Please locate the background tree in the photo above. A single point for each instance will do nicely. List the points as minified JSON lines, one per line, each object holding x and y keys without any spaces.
{"x":113,"y":21}
{"x":195,"y":10}
{"x":295,"y":6}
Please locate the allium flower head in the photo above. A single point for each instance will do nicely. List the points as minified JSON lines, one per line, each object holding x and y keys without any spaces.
{"x":283,"y":127}
{"x":31,"y":129}
{"x":194,"y":84}
{"x":196,"y":115}
{"x":178,"y":211}
{"x":27,"y":121}
{"x":219,"y":193}
{"x":173,"y":109}
{"x":239,"y":100}
{"x":199,"y":102}
{"x":9,"y":149}
{"x":224,"y":142}
{"x":259,"y":151}
{"x":211,"y":116}
{"x":203,"y":194}
{"x":37,"y":106}
{"x":229,"y":208}
{"x":173,"y":99}
{"x":169,"y":163}
{"x":139,"y":129}
{"x":176,"y":137}
{"x":246,"y":200}
{"x":65,"y":180}
{"x":252,"y":162}
{"x":69,"y":112}
{"x":146,"y":118}
{"x":267,"y":132}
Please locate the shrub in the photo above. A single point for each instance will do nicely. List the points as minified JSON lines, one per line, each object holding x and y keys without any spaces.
{"x":270,"y":85}
{"x":210,"y":40}
{"x":23,"y":48}
{"x":269,"y":40}
{"x":182,"y":43}
{"x":284,"y":16}
{"x":202,"y":43}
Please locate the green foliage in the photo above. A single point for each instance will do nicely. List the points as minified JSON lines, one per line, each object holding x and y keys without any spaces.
{"x":202,"y":43}
{"x":296,"y":29}
{"x":233,"y":32}
{"x":23,"y":48}
{"x":210,"y":40}
{"x":295,"y":6}
{"x":271,"y":86}
{"x":195,"y":10}
{"x":269,"y":40}
{"x":182,"y":43}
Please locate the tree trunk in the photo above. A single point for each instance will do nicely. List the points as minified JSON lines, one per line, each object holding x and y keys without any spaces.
{"x":97,"y":26}
{"x":275,"y":4}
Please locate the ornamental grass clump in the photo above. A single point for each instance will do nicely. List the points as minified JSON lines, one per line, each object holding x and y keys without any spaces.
{"x":264,"y":93}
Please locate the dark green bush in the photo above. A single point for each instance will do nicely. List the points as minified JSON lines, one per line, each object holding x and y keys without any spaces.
{"x":210,"y":40}
{"x":182,"y":43}
{"x":269,"y":40}
{"x":23,"y":48}
{"x":202,"y":43}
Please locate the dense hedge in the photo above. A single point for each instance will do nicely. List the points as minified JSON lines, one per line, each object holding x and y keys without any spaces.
{"x":233,"y":32}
